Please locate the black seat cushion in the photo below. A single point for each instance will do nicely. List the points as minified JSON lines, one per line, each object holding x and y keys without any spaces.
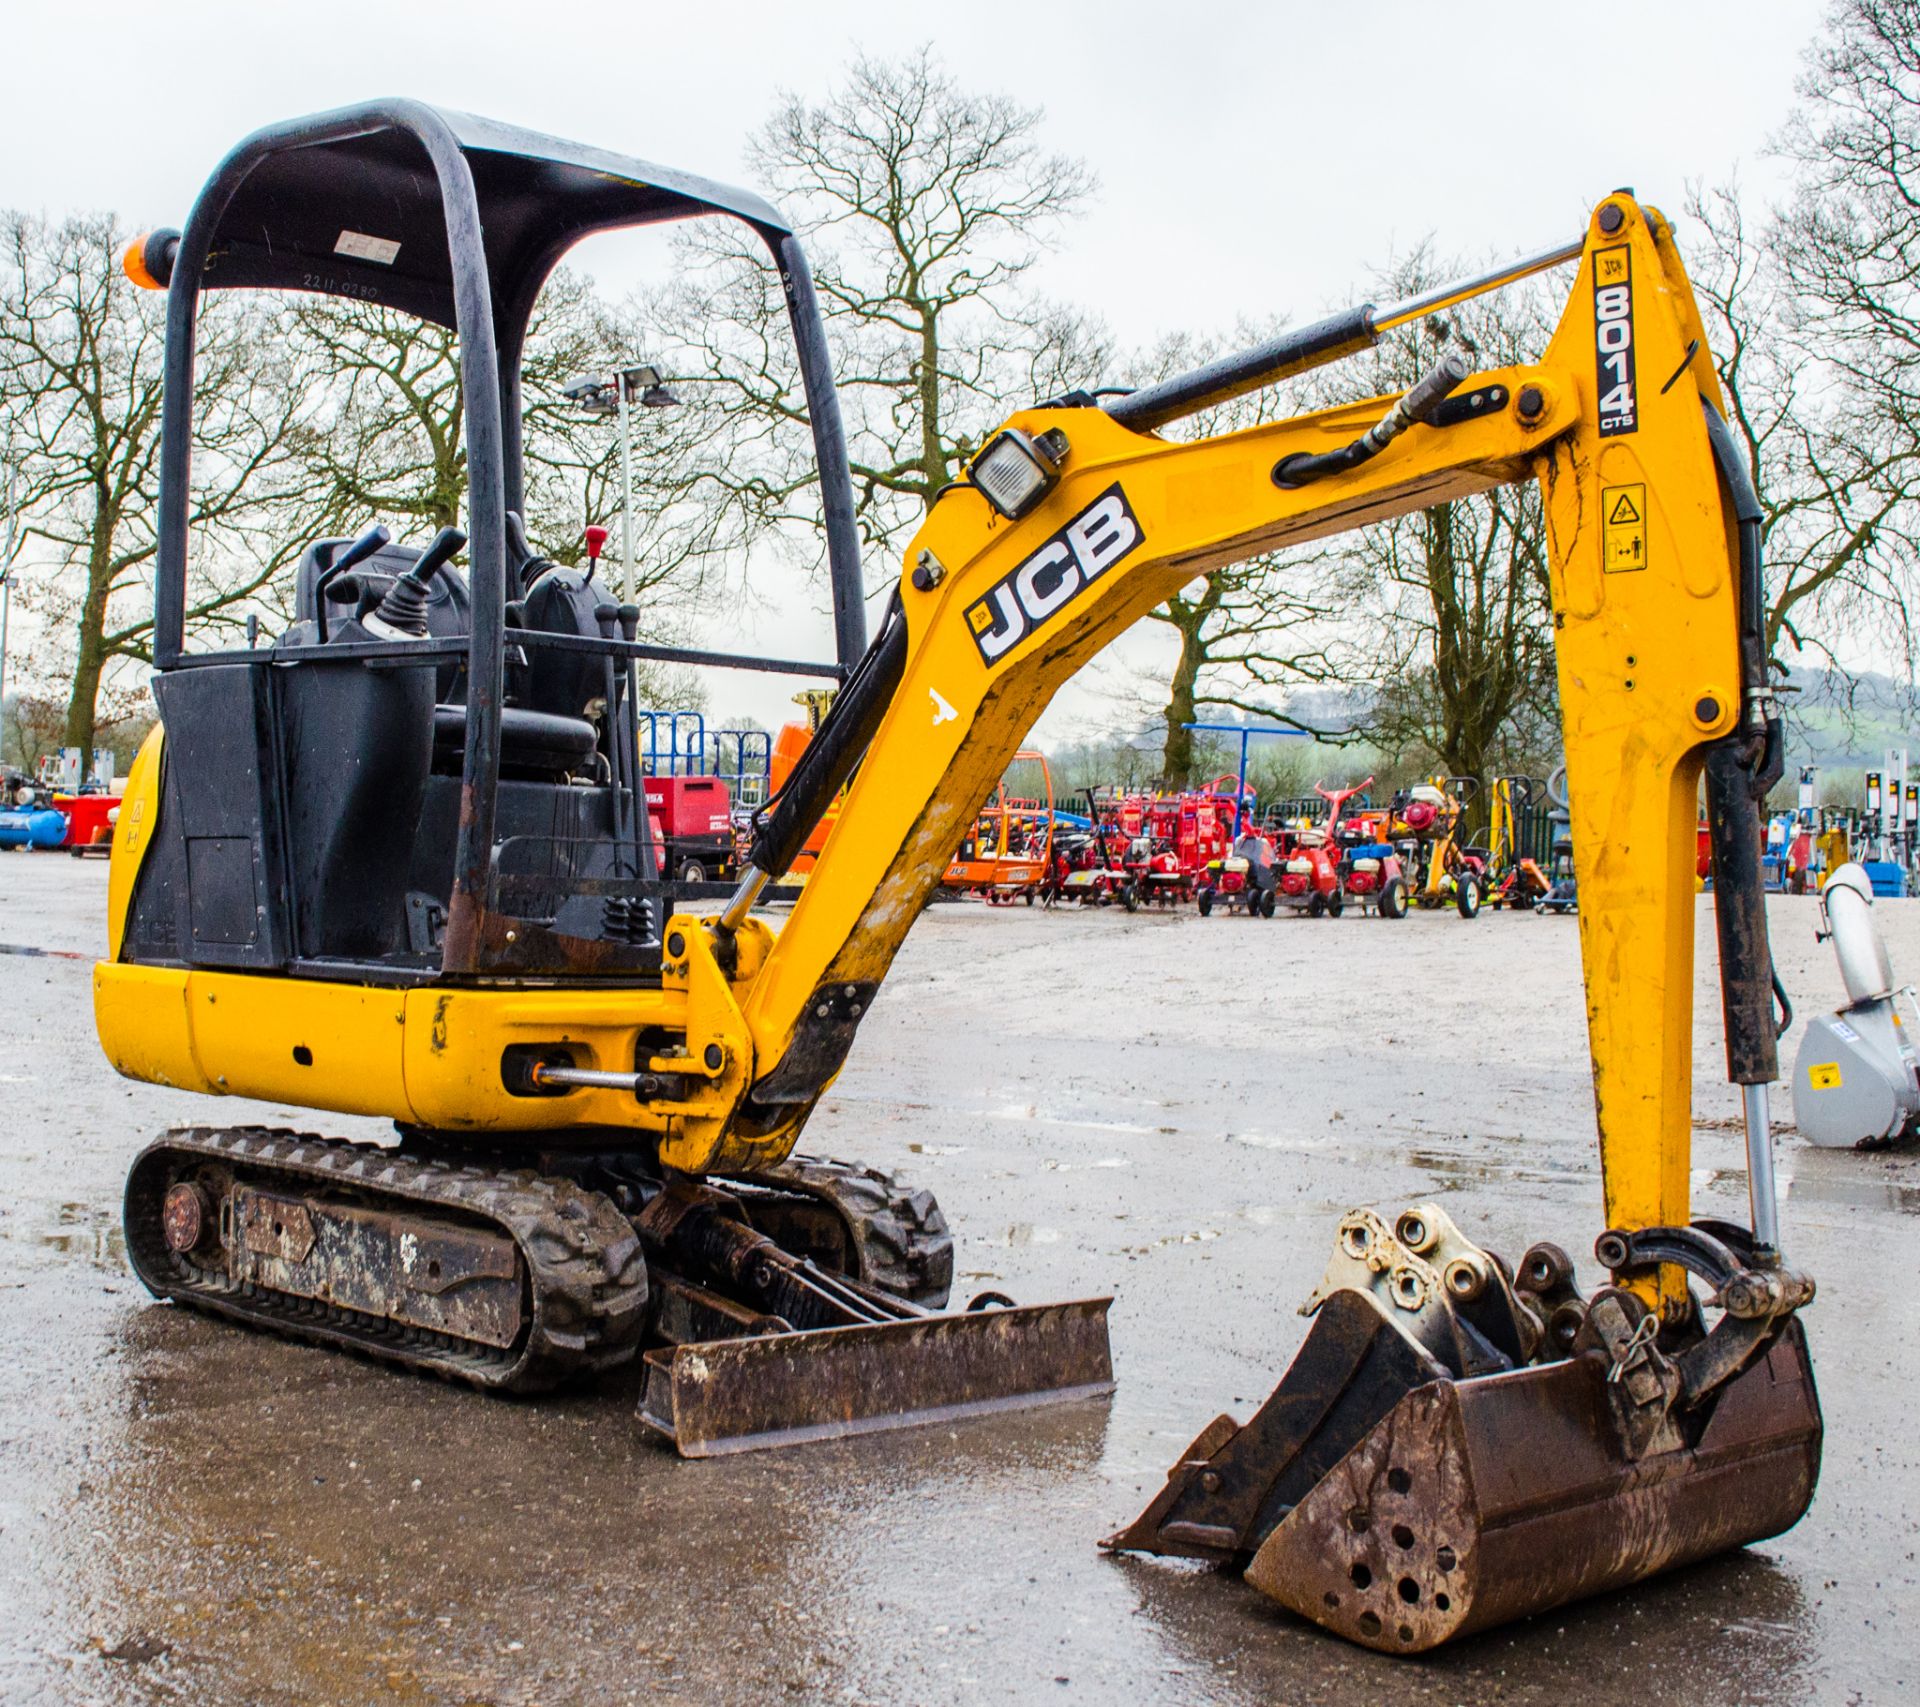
{"x":529,"y":740}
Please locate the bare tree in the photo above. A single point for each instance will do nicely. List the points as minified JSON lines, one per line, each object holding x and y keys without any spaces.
{"x":392,"y":444}
{"x":1459,"y":643}
{"x":80,"y":376}
{"x":1818,"y":328}
{"x":1835,"y":487}
{"x":30,"y":725}
{"x":924,"y":207}
{"x":1249,"y":632}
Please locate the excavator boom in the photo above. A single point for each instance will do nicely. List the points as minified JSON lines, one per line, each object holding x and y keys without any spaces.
{"x":1457,"y":1443}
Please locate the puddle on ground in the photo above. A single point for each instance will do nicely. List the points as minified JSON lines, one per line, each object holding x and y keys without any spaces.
{"x":1455,"y":1172}
{"x":1847,"y":1193}
{"x":1285,"y":1141}
{"x":1277,"y":1214}
{"x":88,"y":1231}
{"x":1027,"y":1111}
{"x":1204,"y":1236}
{"x":1025,"y":1233}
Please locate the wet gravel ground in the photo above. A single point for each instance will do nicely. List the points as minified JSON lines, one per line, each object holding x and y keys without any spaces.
{"x":1171,"y":1109}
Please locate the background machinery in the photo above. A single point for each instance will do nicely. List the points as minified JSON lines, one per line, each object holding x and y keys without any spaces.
{"x":1086,"y":864}
{"x":372,"y":869}
{"x":1856,"y":1079}
{"x":1008,"y":853}
{"x":1369,"y":869}
{"x":1510,"y":874}
{"x":1308,"y":863}
{"x":1563,"y":880}
{"x":1429,"y":825}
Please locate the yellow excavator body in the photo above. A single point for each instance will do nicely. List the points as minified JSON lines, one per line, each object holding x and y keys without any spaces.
{"x":657,"y":1051}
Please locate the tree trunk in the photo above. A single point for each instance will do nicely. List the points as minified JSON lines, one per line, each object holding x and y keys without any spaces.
{"x":90,"y":657}
{"x":1176,"y":763}
{"x":933,"y":460}
{"x":83,"y":698}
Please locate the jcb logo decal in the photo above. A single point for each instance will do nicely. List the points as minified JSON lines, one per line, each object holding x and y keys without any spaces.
{"x":1070,"y":562}
{"x":1613,"y":341}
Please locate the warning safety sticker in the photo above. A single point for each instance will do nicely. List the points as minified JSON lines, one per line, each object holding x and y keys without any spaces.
{"x":1824,"y":1075}
{"x":1623,"y":527}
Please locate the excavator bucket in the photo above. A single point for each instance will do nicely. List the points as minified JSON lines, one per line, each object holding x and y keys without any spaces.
{"x":1451,"y":1450}
{"x":784,"y":1389}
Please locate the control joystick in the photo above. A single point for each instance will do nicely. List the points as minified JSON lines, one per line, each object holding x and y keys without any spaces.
{"x":403,"y":611}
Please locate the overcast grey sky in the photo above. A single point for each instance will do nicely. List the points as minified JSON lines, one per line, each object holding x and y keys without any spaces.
{"x":1253,"y":159}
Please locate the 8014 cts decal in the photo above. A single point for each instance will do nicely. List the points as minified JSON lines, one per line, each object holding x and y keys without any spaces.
{"x":1613,"y":341}
{"x":1049,"y":580}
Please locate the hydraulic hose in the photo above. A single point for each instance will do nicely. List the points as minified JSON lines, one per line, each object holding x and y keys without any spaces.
{"x":1414,"y":407}
{"x":781,"y":828}
{"x":1741,"y":768}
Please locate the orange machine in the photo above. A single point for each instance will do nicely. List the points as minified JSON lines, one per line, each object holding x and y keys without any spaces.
{"x":1006,"y":854}
{"x":788,"y":745}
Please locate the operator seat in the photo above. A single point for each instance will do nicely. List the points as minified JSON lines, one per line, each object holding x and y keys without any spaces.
{"x":546,"y":739}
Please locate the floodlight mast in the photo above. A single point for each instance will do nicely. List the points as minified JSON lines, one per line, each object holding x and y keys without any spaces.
{"x":614,"y":394}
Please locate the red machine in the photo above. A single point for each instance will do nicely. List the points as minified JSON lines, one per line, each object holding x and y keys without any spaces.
{"x":1227,"y":878}
{"x":1086,"y":866}
{"x":1231,"y":882}
{"x":1368,"y":866}
{"x":1153,"y":866}
{"x":692,"y":821}
{"x":90,"y":819}
{"x":1309,"y":874}
{"x":1174,"y":841}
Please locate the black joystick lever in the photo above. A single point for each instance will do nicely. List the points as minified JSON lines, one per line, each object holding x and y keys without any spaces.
{"x":525,"y":565}
{"x":405,"y":605}
{"x":376,"y":538}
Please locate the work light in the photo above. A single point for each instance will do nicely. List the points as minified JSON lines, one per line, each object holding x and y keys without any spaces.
{"x":1013,"y":473}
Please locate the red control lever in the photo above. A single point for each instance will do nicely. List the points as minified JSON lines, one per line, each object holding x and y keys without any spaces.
{"x":596,"y":539}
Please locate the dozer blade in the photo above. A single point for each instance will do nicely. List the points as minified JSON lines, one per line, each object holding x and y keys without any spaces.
{"x":1476,"y":1502}
{"x":783,"y":1389}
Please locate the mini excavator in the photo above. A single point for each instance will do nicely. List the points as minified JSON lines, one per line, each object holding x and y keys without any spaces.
{"x":396,"y":864}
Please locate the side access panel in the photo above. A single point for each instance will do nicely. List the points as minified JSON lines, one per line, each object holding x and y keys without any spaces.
{"x":223,"y":864}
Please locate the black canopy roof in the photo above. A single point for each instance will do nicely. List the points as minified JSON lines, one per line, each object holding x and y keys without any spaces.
{"x":362,"y":214}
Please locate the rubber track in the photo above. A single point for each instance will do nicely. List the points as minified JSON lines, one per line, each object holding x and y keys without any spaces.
{"x":588,"y":1278}
{"x":902,"y":1240}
